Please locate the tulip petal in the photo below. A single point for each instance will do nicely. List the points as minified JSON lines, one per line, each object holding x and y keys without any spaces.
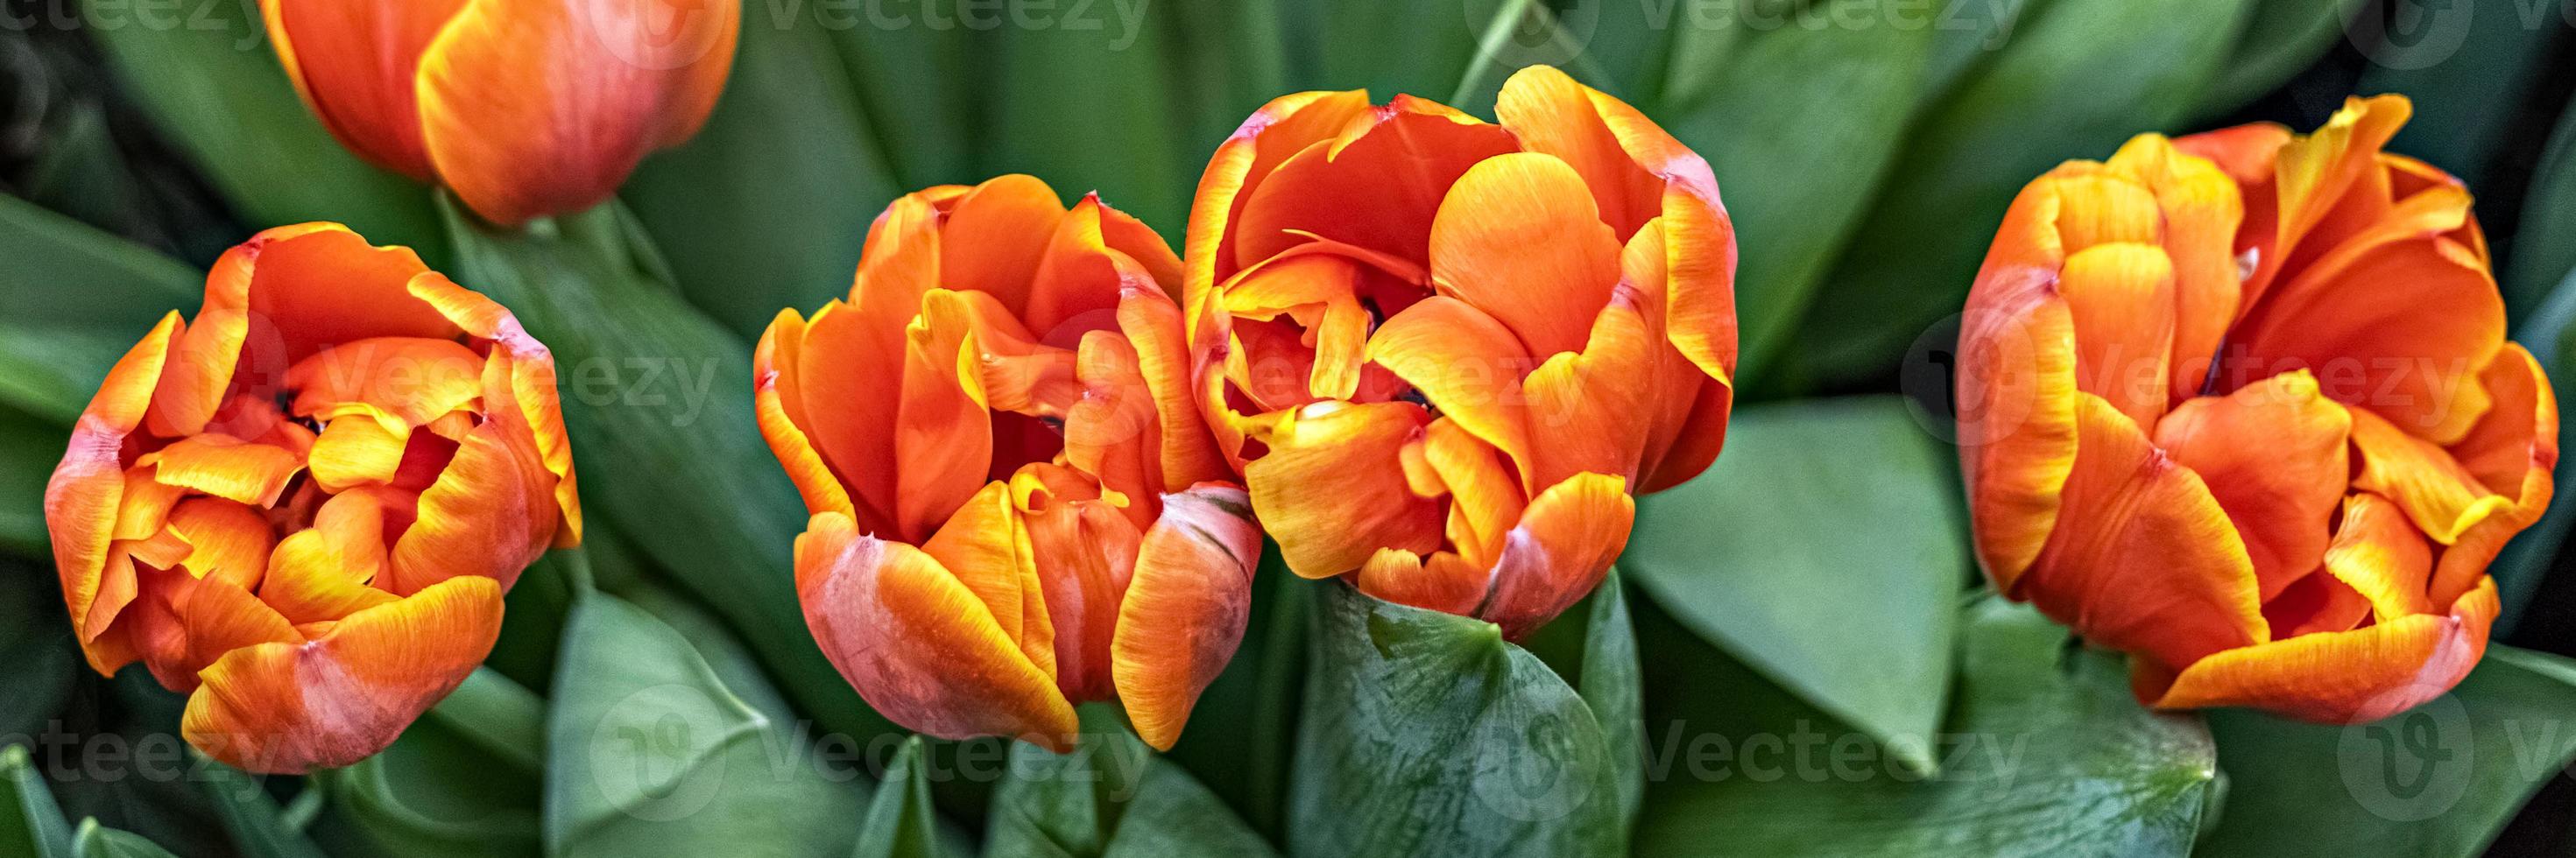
{"x":2312,"y":172}
{"x":2121,"y":295}
{"x":943,"y":436}
{"x":1332,"y":490}
{"x":1378,"y":189}
{"x":1443,"y":582}
{"x":2443,"y":498}
{"x":1551,"y":113}
{"x":776,"y":401}
{"x":323,"y":572}
{"x":2393,"y":321}
{"x":1185,"y":609}
{"x":221,"y":617}
{"x":1518,"y":236}
{"x":1152,"y":324}
{"x":1586,"y":404}
{"x":529,"y":382}
{"x":996,"y":236}
{"x":2513,"y":451}
{"x":411,"y":379}
{"x":986,"y":547}
{"x":288,"y":708}
{"x":531,"y":109}
{"x":917,"y":644}
{"x":1085,"y":550}
{"x":1559,"y":552}
{"x":83,"y":496}
{"x":1466,"y":364}
{"x":356,"y":450}
{"x":225,"y":467}
{"x":2142,"y":558}
{"x":2349,"y":677}
{"x":2381,"y":556}
{"x":2276,"y":457}
{"x":2201,"y":209}
{"x":2016,"y":389}
{"x":227,"y":541}
{"x":490,"y":514}
{"x":354,"y":62}
{"x":1485,"y":495}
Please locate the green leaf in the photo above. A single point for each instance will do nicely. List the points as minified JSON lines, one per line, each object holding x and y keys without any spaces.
{"x":1969,"y":35}
{"x":251,"y":817}
{"x":901,"y":823}
{"x":1800,"y":126}
{"x":767,"y":207}
{"x":1757,"y":556}
{"x":2470,"y":68}
{"x":39,"y":660}
{"x":1427,"y":734}
{"x":655,"y":395}
{"x":649,"y":751}
{"x":917,"y":81}
{"x":32,"y":825}
{"x":2073,"y":81}
{"x":1234,"y":56}
{"x":2438,"y":781}
{"x":2046,"y":754}
{"x":1610,"y":681}
{"x":216,"y":91}
{"x":1342,"y":44}
{"x":1246,"y":756}
{"x":435,"y":794}
{"x":73,"y":299}
{"x":1110,"y":798}
{"x":98,"y":841}
{"x":498,"y":715}
{"x":2281,"y":39}
{"x":2544,"y":245}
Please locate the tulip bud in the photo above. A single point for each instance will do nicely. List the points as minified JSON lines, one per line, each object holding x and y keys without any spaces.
{"x":524,"y":108}
{"x":1016,"y":507}
{"x":1444,"y":352}
{"x":303,"y":506}
{"x":2241,"y":405}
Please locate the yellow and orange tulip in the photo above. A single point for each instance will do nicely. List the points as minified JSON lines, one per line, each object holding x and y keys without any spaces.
{"x":2241,"y":405}
{"x":1016,"y":506}
{"x":1444,"y":352}
{"x":303,"y":506}
{"x":524,"y":108}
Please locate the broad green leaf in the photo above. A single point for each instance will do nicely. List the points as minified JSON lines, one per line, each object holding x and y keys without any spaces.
{"x":656,"y":395}
{"x":1243,"y":748}
{"x":916,"y":76}
{"x":435,"y":794}
{"x":766,"y":208}
{"x":2282,"y":38}
{"x":97,"y":841}
{"x":31,"y":824}
{"x":1970,"y":34}
{"x":1800,"y":126}
{"x":649,"y":751}
{"x":1092,"y":110}
{"x":1425,"y":734}
{"x":39,"y":660}
{"x":1609,"y":682}
{"x":2074,"y":80}
{"x":2544,"y":245}
{"x":900,"y":821}
{"x":256,"y":824}
{"x":1758,"y":556}
{"x":1233,"y":55}
{"x":217,"y":93}
{"x":2438,"y":781}
{"x":73,"y":299}
{"x":2045,"y":754}
{"x":1110,"y":798}
{"x":502,"y":717}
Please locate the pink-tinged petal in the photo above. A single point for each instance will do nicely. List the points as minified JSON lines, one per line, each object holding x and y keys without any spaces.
{"x":531,"y":109}
{"x":917,"y":644}
{"x":289,"y":708}
{"x":1559,"y":552}
{"x":87,"y":489}
{"x":774,"y":368}
{"x":1185,"y":608}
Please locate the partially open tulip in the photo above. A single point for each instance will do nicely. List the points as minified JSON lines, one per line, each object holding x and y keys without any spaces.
{"x":302,"y":507}
{"x":1445,"y":353}
{"x":522,"y":107}
{"x":1016,"y":507}
{"x":2241,"y":405}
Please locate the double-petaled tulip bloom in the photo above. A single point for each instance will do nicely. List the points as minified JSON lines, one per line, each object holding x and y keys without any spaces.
{"x":304,"y":505}
{"x":1445,"y":352}
{"x":523,"y":107}
{"x":1015,"y":505}
{"x":2241,"y":405}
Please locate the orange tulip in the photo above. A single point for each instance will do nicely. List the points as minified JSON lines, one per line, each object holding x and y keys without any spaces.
{"x":524,"y":108}
{"x":303,"y":506}
{"x":1015,"y":506}
{"x":1444,"y":352}
{"x":2241,"y":405}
